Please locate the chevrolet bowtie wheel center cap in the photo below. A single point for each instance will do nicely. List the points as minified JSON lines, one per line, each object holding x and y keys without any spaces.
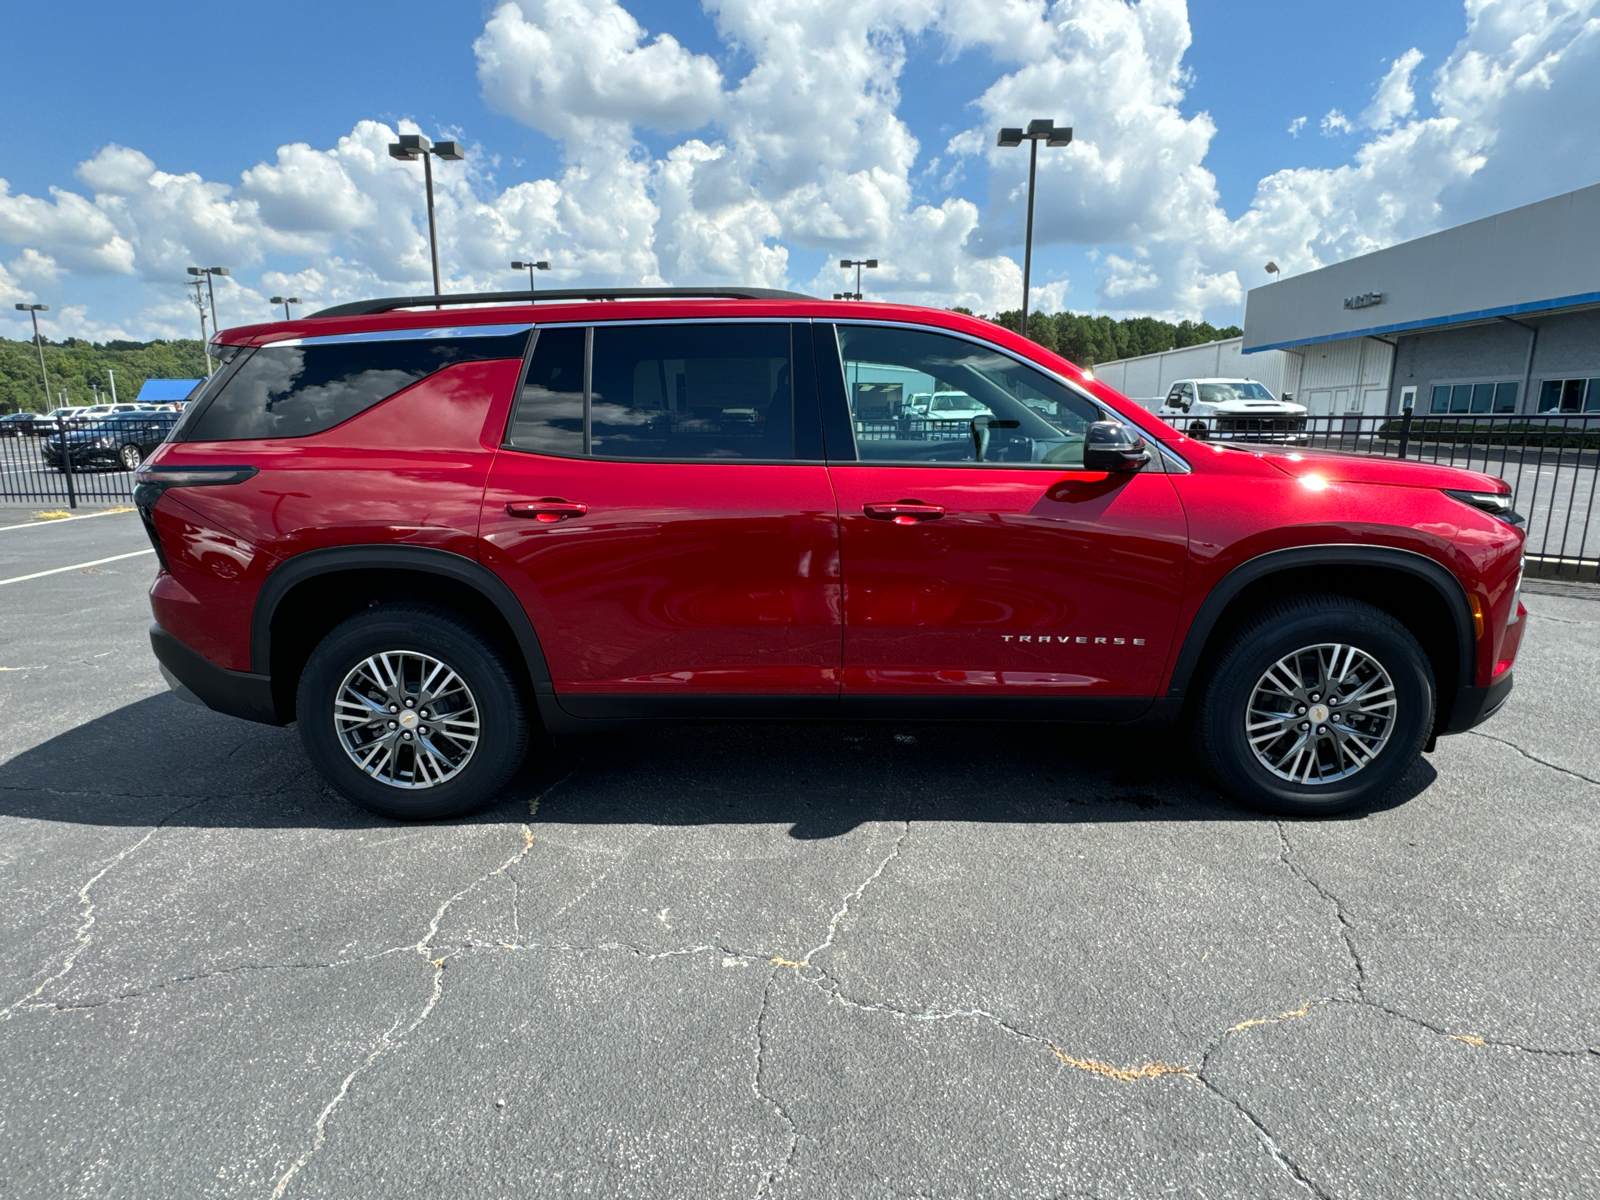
{"x":378,"y":714}
{"x":1317,"y":715}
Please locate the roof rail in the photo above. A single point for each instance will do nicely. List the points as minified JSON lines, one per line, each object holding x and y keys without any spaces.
{"x":362,"y":308}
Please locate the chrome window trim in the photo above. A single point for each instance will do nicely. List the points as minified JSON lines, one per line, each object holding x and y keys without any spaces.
{"x":428,"y":334}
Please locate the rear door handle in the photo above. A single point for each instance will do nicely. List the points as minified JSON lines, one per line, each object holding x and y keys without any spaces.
{"x":904,"y":512}
{"x":549,"y":510}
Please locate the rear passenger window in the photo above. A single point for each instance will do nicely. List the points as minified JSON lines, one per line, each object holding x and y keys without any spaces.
{"x":293,"y":390}
{"x":691,"y":391}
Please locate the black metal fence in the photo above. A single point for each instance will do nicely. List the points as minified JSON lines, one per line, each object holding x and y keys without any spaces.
{"x":73,"y":462}
{"x":1551,"y":461}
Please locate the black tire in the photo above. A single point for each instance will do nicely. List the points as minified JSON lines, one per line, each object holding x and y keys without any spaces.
{"x":502,"y":733}
{"x":1269,"y":636}
{"x":130,"y":457}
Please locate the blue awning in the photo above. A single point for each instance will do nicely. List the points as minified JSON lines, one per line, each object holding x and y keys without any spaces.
{"x":164,"y":391}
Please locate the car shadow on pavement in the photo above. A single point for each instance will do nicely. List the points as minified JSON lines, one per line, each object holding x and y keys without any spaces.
{"x":161,"y":761}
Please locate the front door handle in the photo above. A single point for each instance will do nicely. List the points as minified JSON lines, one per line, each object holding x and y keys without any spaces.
{"x":904,"y":512}
{"x":549,"y":510}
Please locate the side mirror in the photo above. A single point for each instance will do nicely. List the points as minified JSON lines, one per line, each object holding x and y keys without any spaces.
{"x":1113,"y":446}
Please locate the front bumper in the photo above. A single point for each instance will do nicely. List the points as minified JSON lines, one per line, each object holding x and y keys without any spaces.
{"x":236,"y":693}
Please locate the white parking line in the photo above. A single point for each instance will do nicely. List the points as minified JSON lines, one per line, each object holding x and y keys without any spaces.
{"x":110,"y":512}
{"x":75,"y":567}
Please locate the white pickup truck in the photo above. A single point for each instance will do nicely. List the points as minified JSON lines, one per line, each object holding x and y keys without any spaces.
{"x":1229,"y":409}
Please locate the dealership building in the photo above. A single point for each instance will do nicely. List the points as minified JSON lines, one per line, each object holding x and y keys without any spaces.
{"x":1500,"y":315}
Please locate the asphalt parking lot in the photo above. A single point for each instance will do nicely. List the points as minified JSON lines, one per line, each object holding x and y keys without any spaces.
{"x":792,"y":961}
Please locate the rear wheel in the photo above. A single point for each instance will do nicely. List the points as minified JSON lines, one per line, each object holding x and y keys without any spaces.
{"x":130,"y":457}
{"x":412,"y":713}
{"x":1315,"y":705}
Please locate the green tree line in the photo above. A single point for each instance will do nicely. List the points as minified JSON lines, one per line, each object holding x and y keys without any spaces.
{"x":78,"y":367}
{"x":1085,"y":339}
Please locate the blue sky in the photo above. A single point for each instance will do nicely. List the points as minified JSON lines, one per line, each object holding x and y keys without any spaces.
{"x":217,"y":89}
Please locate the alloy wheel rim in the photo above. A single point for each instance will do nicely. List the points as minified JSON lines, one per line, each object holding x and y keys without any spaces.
{"x":1321,"y":714}
{"x":406,"y":719}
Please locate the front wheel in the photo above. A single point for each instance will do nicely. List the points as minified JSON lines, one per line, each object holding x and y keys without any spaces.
{"x":1315,"y":705}
{"x":412,"y":713}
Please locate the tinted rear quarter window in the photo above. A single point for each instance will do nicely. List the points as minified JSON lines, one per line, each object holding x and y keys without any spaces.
{"x":289,"y":391}
{"x":662,"y":392}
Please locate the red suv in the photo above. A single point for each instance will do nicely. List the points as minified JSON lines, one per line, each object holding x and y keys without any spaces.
{"x":417,"y":528}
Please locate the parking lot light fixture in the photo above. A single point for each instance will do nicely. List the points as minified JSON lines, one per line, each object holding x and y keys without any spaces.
{"x":411,"y":147}
{"x":1273,"y":269}
{"x":530,"y":267}
{"x":34,"y":310}
{"x":1039,"y":130}
{"x":286,"y":301}
{"x":857,"y":263}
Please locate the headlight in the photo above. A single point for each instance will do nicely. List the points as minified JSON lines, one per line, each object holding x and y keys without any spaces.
{"x":105,"y":443}
{"x":1496,"y":504}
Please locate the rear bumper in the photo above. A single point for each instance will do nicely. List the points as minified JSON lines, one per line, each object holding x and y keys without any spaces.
{"x":236,"y":693}
{"x":1475,"y":705}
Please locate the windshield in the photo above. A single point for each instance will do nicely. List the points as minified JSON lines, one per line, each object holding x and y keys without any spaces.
{"x":956,"y":402}
{"x":1218,"y":393}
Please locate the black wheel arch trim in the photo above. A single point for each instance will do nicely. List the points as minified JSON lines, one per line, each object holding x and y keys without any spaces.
{"x":427,"y":560}
{"x":1334,"y":554}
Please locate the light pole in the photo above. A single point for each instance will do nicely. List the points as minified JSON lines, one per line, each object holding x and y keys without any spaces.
{"x":857,"y":263}
{"x":200,"y":307}
{"x":1274,"y":269}
{"x":208,"y":272}
{"x":411,"y":147}
{"x":286,"y":301}
{"x":34,"y":310}
{"x":112,"y":376}
{"x":531,"y":267}
{"x":1043,"y":130}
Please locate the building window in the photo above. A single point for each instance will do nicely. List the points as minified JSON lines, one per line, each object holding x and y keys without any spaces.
{"x":1570,"y":396}
{"x":1493,"y":397}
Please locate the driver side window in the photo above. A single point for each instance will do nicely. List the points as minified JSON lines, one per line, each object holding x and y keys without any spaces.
{"x":921,"y":397}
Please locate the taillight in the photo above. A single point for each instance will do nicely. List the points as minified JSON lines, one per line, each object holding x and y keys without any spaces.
{"x":151,"y":480}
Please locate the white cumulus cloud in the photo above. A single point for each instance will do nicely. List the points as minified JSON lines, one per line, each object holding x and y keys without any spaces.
{"x":675,"y":167}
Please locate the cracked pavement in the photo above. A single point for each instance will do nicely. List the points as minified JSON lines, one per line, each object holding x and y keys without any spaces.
{"x":785,"y":961}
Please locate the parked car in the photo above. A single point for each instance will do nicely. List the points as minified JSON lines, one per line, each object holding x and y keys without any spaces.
{"x":418,"y":533}
{"x":71,"y":412}
{"x":24,"y":424}
{"x":120,"y":441}
{"x":954,"y":406}
{"x":1233,"y":409}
